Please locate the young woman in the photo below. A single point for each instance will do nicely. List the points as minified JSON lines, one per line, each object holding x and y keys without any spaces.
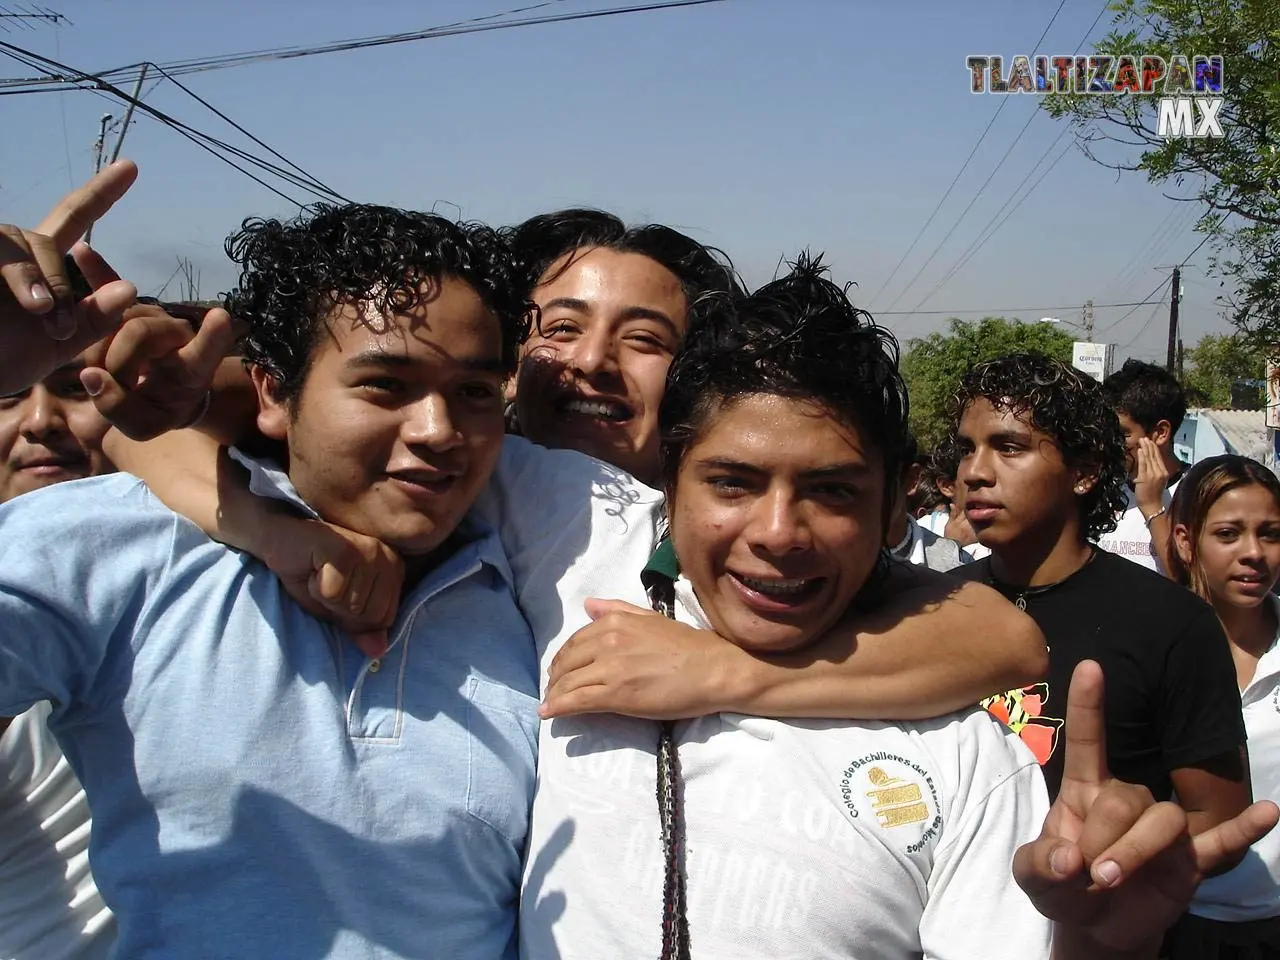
{"x":1226,"y":539}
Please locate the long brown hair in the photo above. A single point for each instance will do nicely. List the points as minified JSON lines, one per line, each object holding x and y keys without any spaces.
{"x":1200,"y":489}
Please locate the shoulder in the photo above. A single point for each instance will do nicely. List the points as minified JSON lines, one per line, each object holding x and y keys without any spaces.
{"x":1142,"y":586}
{"x":979,"y":571}
{"x":115,"y":503}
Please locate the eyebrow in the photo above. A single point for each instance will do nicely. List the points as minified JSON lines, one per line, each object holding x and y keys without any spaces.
{"x":384,"y":359}
{"x":628,"y":313}
{"x":853,"y":468}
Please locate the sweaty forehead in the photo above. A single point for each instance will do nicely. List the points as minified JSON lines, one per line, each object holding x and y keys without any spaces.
{"x":603,"y":278}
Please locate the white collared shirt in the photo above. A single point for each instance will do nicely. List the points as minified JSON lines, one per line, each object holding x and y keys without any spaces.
{"x":1252,"y":890}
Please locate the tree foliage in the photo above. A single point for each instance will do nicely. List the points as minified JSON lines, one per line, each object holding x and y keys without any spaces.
{"x":933,"y":366}
{"x":1218,"y":363}
{"x":1236,"y":179}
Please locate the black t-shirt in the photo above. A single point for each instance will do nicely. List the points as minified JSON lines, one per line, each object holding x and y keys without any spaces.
{"x":1171,"y":695}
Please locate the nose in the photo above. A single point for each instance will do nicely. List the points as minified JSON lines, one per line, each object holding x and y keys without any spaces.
{"x":1250,"y":549}
{"x":778,"y":524}
{"x":42,"y":415}
{"x":976,"y":469}
{"x":596,"y":353}
{"x":429,"y":423}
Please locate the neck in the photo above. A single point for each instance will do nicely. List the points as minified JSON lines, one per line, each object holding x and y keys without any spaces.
{"x":1250,"y":629}
{"x":1038,"y":562}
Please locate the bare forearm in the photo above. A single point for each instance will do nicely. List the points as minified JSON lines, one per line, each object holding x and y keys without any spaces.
{"x":192,"y":475}
{"x":937,"y":645}
{"x":1161,"y":540}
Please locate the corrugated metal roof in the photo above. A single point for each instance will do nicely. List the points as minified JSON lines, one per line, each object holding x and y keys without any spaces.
{"x":1245,"y":431}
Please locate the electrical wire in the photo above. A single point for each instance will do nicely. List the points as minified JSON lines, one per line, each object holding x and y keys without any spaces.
{"x":183,"y":67}
{"x":996,"y":311}
{"x":996,"y":169}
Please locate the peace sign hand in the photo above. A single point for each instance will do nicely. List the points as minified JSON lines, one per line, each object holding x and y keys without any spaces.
{"x":41,"y":325}
{"x":1112,"y":865}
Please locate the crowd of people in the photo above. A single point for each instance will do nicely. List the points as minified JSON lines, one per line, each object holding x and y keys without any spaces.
{"x":540,"y":591}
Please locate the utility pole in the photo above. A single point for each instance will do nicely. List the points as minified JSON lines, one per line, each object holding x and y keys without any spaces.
{"x":128,"y":115}
{"x":98,"y":147}
{"x":1086,"y":320}
{"x":1175,"y":295}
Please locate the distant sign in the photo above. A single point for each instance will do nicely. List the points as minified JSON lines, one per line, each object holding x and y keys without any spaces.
{"x":1095,"y":359}
{"x":1273,"y":396}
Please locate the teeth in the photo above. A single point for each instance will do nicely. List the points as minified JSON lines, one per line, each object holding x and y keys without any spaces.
{"x":598,"y":408}
{"x":776,"y":587}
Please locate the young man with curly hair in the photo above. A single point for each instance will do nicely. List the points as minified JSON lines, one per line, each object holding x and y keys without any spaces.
{"x":1042,"y":462}
{"x":260,"y":788}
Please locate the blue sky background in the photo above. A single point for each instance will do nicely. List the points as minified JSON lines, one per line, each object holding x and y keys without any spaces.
{"x":761,"y":126}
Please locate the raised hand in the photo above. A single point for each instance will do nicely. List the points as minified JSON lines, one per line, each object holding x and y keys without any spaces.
{"x":1151,"y":479}
{"x":157,"y":373}
{"x":1112,"y":867}
{"x":42,"y":327}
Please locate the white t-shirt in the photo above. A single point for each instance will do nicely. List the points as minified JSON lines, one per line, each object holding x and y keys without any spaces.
{"x":1252,"y":890}
{"x":49,"y":906}
{"x":1131,"y":538}
{"x":805,"y":839}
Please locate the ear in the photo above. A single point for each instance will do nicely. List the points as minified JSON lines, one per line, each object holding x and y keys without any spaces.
{"x":1086,"y":478}
{"x":273,"y":413}
{"x":1182,"y":542}
{"x":1162,"y":433}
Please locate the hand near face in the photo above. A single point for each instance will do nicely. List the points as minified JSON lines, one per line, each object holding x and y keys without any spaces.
{"x":41,"y":326}
{"x":1151,"y":479}
{"x":637,"y":663}
{"x":157,"y":372}
{"x":1112,"y":865}
{"x":339,"y":576}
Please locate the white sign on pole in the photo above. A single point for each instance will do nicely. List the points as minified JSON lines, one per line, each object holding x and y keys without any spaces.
{"x":1095,"y":359}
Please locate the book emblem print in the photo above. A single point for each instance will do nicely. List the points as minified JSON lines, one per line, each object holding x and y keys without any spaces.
{"x":896,"y":802}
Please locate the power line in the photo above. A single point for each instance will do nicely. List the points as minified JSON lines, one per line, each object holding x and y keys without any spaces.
{"x":1150,"y":320}
{"x":963,"y":167}
{"x":1145,"y":300}
{"x":182,"y":67}
{"x":993,"y":311}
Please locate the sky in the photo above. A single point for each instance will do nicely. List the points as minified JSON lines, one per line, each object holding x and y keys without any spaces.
{"x":763,"y":127}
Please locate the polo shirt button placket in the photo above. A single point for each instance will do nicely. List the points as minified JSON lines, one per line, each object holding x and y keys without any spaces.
{"x":375,"y":666}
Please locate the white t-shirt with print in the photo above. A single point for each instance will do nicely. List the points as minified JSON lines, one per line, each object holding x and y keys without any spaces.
{"x":49,"y":905}
{"x":1131,"y":538}
{"x":1252,"y":890}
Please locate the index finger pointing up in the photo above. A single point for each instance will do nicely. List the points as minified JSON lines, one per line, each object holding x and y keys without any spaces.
{"x":1085,"y":760}
{"x":67,"y":222}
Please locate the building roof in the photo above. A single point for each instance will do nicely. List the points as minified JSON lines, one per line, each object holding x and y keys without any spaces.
{"x":1245,"y":431}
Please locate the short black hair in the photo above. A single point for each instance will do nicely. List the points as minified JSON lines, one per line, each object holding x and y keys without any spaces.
{"x":1070,"y":408}
{"x":797,"y":337}
{"x":295,"y":273}
{"x":1146,"y":394}
{"x":541,"y":241}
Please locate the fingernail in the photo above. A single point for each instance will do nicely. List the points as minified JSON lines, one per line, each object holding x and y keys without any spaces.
{"x":60,"y":324}
{"x":1107,"y":873}
{"x":92,"y":381}
{"x":40,"y":292}
{"x":1058,"y":861}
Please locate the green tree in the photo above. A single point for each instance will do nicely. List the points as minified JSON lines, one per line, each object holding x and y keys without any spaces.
{"x":1235,"y":178}
{"x":1216,"y":363}
{"x":933,"y":366}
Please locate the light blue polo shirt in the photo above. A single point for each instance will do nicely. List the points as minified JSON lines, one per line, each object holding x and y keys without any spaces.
{"x":258,"y":788}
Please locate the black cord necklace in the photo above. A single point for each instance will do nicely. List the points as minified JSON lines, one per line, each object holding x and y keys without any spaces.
{"x":1019,"y":595}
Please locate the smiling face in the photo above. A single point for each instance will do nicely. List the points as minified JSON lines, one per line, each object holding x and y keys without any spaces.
{"x":592,"y":376}
{"x":1238,"y":550}
{"x":1016,"y":484}
{"x":399,"y":421}
{"x":49,"y":433}
{"x":777,"y":516}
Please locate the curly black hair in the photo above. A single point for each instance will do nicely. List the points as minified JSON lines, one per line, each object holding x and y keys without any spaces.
{"x":295,"y":273}
{"x":1147,"y":394}
{"x":541,"y":241}
{"x":799,"y":337}
{"x":1067,"y":406}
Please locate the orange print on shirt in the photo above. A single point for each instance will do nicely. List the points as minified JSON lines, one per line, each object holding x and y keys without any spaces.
{"x":1022,"y":712}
